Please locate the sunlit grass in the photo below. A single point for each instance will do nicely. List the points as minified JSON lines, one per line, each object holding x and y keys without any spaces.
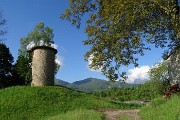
{"x":125,"y":117}
{"x":78,"y":115}
{"x":33,"y":103}
{"x":161,"y":109}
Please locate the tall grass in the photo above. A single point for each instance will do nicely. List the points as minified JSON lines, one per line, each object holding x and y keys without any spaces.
{"x":33,"y":103}
{"x":161,"y":109}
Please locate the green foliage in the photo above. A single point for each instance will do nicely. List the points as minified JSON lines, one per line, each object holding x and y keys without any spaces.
{"x":81,"y":114}
{"x":159,"y":71}
{"x":147,"y":91}
{"x":8,"y":72}
{"x":125,"y":117}
{"x":41,"y":35}
{"x":23,"y":68}
{"x":119,"y":30}
{"x":6,"y":60}
{"x":43,"y":102}
{"x":159,"y":76}
{"x":161,"y":109}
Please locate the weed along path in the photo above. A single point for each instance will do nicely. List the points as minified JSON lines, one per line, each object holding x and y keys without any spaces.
{"x":115,"y":114}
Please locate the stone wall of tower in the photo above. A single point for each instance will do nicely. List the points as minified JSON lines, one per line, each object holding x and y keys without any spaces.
{"x":43,"y":66}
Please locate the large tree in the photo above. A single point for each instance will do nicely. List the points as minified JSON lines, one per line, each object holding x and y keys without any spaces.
{"x":41,"y":35}
{"x":2,"y":24}
{"x":6,"y":60}
{"x":120,"y":30}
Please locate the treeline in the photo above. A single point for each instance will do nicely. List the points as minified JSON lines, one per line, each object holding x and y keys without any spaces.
{"x":146,"y":91}
{"x":9,"y":75}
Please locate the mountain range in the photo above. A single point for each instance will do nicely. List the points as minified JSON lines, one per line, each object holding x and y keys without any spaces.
{"x":90,"y":85}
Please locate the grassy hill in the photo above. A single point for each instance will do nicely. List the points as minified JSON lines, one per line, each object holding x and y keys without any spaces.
{"x":161,"y":109}
{"x":26,"y":103}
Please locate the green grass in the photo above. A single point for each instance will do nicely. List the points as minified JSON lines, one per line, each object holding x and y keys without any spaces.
{"x":161,"y":109}
{"x":79,"y":115}
{"x":125,"y":117}
{"x":33,"y":103}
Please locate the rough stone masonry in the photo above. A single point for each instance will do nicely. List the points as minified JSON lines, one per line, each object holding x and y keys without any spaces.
{"x":43,"y":66}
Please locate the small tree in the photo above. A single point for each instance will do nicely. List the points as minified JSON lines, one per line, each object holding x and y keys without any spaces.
{"x":6,"y":60}
{"x":159,"y":71}
{"x":159,"y":76}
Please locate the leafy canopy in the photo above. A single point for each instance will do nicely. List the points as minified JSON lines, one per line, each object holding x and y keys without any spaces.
{"x":41,"y":35}
{"x":6,"y":60}
{"x":23,"y":68}
{"x":119,"y":30}
{"x":159,"y":72}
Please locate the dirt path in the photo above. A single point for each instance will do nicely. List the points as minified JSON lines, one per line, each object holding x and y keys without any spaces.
{"x":113,"y":114}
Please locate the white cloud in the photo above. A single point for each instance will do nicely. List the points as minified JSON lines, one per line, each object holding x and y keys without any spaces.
{"x":138,"y":74}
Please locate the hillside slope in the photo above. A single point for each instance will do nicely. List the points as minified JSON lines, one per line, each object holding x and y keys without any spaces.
{"x":20,"y":103}
{"x":161,"y":109}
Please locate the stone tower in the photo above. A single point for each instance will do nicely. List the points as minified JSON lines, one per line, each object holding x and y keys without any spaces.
{"x":43,"y":65}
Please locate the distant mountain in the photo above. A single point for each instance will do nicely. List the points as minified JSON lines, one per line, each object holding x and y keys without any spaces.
{"x":93,"y":84}
{"x":85,"y":81}
{"x":61,"y":82}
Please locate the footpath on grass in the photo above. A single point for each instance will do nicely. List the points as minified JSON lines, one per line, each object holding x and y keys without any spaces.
{"x":115,"y":114}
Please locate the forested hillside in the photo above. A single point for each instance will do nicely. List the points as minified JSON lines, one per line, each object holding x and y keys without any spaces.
{"x":147,"y":91}
{"x":90,"y":85}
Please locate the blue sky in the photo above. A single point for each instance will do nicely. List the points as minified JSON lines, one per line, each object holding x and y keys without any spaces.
{"x":23,"y":15}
